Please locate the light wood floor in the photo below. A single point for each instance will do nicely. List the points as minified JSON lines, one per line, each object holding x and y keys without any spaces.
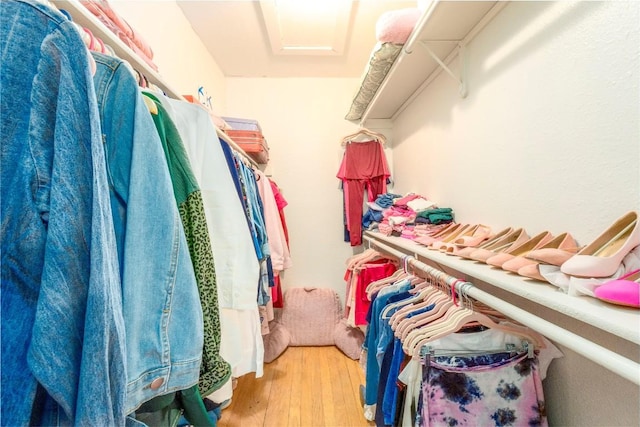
{"x":305,"y":386}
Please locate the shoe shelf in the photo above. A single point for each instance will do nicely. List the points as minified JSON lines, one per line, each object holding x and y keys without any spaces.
{"x":86,"y":19}
{"x":441,"y":34}
{"x":619,"y":321}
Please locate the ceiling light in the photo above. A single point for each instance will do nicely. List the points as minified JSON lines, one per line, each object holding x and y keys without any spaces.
{"x":307,"y":27}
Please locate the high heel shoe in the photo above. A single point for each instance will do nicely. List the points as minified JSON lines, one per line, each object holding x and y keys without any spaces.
{"x":465,"y":251}
{"x":560,"y":247}
{"x":427,"y":240}
{"x":467,"y":228}
{"x":518,"y":250}
{"x":624,"y":290}
{"x":479,"y":235}
{"x":475,"y":233}
{"x":531,"y":271}
{"x":556,"y":252}
{"x":603,"y":256}
{"x":516,"y":237}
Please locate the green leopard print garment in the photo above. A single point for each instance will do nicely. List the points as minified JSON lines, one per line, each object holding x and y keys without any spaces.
{"x":214,"y":371}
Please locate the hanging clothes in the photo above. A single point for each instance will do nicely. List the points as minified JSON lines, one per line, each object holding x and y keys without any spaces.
{"x":62,"y":328}
{"x":478,"y":376}
{"x":214,"y":371}
{"x":364,"y":166}
{"x":498,"y":389}
{"x":236,"y":264}
{"x":281,"y":203}
{"x":152,"y":246}
{"x":278,"y":246}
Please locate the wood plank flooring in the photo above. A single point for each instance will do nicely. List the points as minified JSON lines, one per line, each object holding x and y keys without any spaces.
{"x":304,"y":387}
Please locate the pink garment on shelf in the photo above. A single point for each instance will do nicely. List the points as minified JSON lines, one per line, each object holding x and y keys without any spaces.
{"x":121,"y":28}
{"x":408,"y":233}
{"x":385,"y":228}
{"x":364,"y":165}
{"x":102,"y":7}
{"x":404,"y":200}
{"x":399,"y":211}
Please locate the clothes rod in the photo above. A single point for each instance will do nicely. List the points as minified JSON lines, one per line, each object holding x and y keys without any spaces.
{"x":235,"y":147}
{"x":614,"y":362}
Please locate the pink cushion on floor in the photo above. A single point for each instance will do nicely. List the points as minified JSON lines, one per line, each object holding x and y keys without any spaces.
{"x":310,"y":315}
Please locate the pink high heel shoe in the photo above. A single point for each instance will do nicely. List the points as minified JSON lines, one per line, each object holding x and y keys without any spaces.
{"x":603,"y":256}
{"x":516,"y":237}
{"x":560,"y":247}
{"x":465,"y":251}
{"x":532,"y":272}
{"x":556,"y":252}
{"x":467,"y":228}
{"x":477,"y":233}
{"x":624,"y":290}
{"x":439,"y":235}
{"x":518,"y":250}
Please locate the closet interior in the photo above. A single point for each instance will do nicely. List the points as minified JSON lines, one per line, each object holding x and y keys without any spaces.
{"x":504,"y":129}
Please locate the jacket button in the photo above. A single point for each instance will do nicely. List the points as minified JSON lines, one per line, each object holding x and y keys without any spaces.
{"x":157,"y":383}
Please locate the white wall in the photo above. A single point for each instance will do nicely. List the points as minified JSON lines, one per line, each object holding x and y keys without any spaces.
{"x":548,"y":136}
{"x":302,"y":120}
{"x":548,"y":139}
{"x":181,"y":57}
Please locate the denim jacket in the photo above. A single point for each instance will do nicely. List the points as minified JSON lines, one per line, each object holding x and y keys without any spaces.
{"x":62,"y":324}
{"x":161,"y":305}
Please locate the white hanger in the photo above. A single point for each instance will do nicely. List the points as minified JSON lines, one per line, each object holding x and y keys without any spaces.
{"x":364,"y":135}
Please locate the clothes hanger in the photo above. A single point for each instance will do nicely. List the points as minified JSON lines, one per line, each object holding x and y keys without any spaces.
{"x":408,"y":326}
{"x":366,"y":133}
{"x":446,"y":304}
{"x":375,"y":287}
{"x":389,"y":307}
{"x":425,"y":294}
{"x":424,"y":298}
{"x":459,"y":316}
{"x":352,"y":261}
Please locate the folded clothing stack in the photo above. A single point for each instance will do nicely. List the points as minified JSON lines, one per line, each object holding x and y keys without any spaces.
{"x":435,"y":216}
{"x":121,"y":28}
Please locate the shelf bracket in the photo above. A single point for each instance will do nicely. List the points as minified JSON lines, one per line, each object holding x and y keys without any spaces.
{"x":462,"y":78}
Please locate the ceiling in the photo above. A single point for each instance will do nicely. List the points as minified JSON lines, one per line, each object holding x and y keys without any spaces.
{"x":260,"y":39}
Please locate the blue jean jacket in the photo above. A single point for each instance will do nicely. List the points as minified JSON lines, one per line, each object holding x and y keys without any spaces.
{"x":161,"y":304}
{"x":62,"y":324}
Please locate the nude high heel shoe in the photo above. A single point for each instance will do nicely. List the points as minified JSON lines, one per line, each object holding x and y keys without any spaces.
{"x":465,"y":251}
{"x":518,"y":250}
{"x":451,"y":237}
{"x":562,"y":246}
{"x":531,"y":271}
{"x":556,"y":252}
{"x":427,"y":240}
{"x":479,"y":235}
{"x":473,"y":233}
{"x":603,"y":256}
{"x":517,"y":237}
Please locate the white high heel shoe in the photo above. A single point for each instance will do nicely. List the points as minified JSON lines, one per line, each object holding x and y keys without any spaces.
{"x":603,"y":256}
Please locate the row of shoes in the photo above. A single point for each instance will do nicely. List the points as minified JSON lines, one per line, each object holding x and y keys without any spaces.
{"x":513,"y":250}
